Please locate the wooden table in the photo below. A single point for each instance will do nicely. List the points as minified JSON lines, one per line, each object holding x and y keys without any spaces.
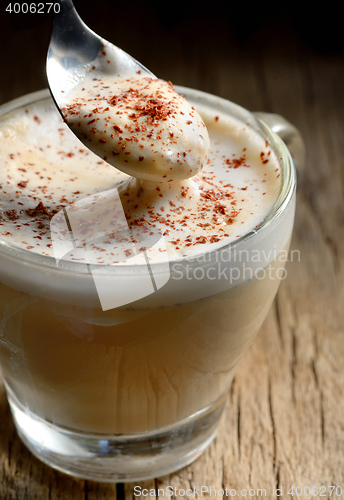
{"x":283,"y":426}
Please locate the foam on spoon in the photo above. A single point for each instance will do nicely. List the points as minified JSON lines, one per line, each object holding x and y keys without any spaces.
{"x":140,"y":125}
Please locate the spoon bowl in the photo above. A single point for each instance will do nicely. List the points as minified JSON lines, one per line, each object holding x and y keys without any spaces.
{"x":74,"y":49}
{"x":118,"y":109}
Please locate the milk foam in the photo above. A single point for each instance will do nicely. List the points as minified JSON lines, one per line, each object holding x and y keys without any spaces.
{"x":140,"y":125}
{"x":45,"y":169}
{"x":42,"y":162}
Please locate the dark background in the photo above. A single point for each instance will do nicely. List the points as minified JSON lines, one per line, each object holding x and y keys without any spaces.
{"x":181,"y":41}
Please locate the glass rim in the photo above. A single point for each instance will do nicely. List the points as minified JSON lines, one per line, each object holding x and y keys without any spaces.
{"x":283,"y":200}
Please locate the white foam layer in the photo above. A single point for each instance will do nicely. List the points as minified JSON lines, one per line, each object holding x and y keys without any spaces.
{"x":44,"y":168}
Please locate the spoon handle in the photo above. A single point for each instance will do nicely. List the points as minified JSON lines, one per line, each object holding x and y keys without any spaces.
{"x":72,"y":38}
{"x":65,"y":6}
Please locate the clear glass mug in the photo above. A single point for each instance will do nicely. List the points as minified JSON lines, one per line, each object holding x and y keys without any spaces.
{"x":137,"y":391}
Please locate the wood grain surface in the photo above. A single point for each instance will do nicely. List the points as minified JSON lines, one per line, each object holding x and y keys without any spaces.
{"x":283,"y":424}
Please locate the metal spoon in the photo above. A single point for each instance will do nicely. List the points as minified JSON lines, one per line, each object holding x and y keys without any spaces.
{"x":72,"y":50}
{"x":77,"y":57}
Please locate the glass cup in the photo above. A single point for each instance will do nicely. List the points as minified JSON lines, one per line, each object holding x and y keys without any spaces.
{"x":136,"y":390}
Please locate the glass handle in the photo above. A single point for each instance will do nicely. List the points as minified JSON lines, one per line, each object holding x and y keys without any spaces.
{"x":289,"y":134}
